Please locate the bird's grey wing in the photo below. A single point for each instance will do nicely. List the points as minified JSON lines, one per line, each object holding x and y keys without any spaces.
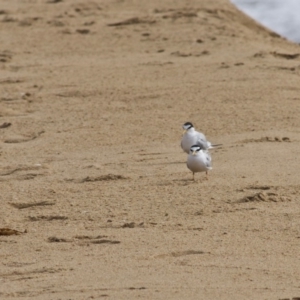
{"x":201,"y":141}
{"x":208,"y":159}
{"x":208,"y":156}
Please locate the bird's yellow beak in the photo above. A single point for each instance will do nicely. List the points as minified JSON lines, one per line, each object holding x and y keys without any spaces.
{"x":194,"y":153}
{"x":184,"y":131}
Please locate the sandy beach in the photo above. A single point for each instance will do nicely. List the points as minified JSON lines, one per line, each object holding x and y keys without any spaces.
{"x":96,"y":198}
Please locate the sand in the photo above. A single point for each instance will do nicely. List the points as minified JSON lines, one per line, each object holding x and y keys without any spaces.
{"x":96,"y":198}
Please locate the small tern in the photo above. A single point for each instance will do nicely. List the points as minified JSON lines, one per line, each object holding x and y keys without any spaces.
{"x":198,"y":160}
{"x":192,"y":137}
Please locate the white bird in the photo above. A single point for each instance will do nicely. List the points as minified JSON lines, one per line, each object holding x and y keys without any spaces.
{"x":192,"y":137}
{"x":198,"y":160}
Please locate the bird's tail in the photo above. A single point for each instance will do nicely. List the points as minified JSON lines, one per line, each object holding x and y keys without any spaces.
{"x":216,"y":145}
{"x":211,"y":146}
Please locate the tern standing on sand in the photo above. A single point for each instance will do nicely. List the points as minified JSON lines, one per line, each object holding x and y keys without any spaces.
{"x":198,"y":160}
{"x":192,"y":137}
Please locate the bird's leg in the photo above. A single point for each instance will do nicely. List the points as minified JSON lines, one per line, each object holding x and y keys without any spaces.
{"x":206,"y":175}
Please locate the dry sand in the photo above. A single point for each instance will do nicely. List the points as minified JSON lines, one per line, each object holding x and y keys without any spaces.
{"x":92,"y":175}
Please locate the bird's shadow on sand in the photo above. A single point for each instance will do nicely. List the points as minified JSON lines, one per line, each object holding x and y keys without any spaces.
{"x":184,"y":180}
{"x":180,"y":182}
{"x":171,"y":163}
